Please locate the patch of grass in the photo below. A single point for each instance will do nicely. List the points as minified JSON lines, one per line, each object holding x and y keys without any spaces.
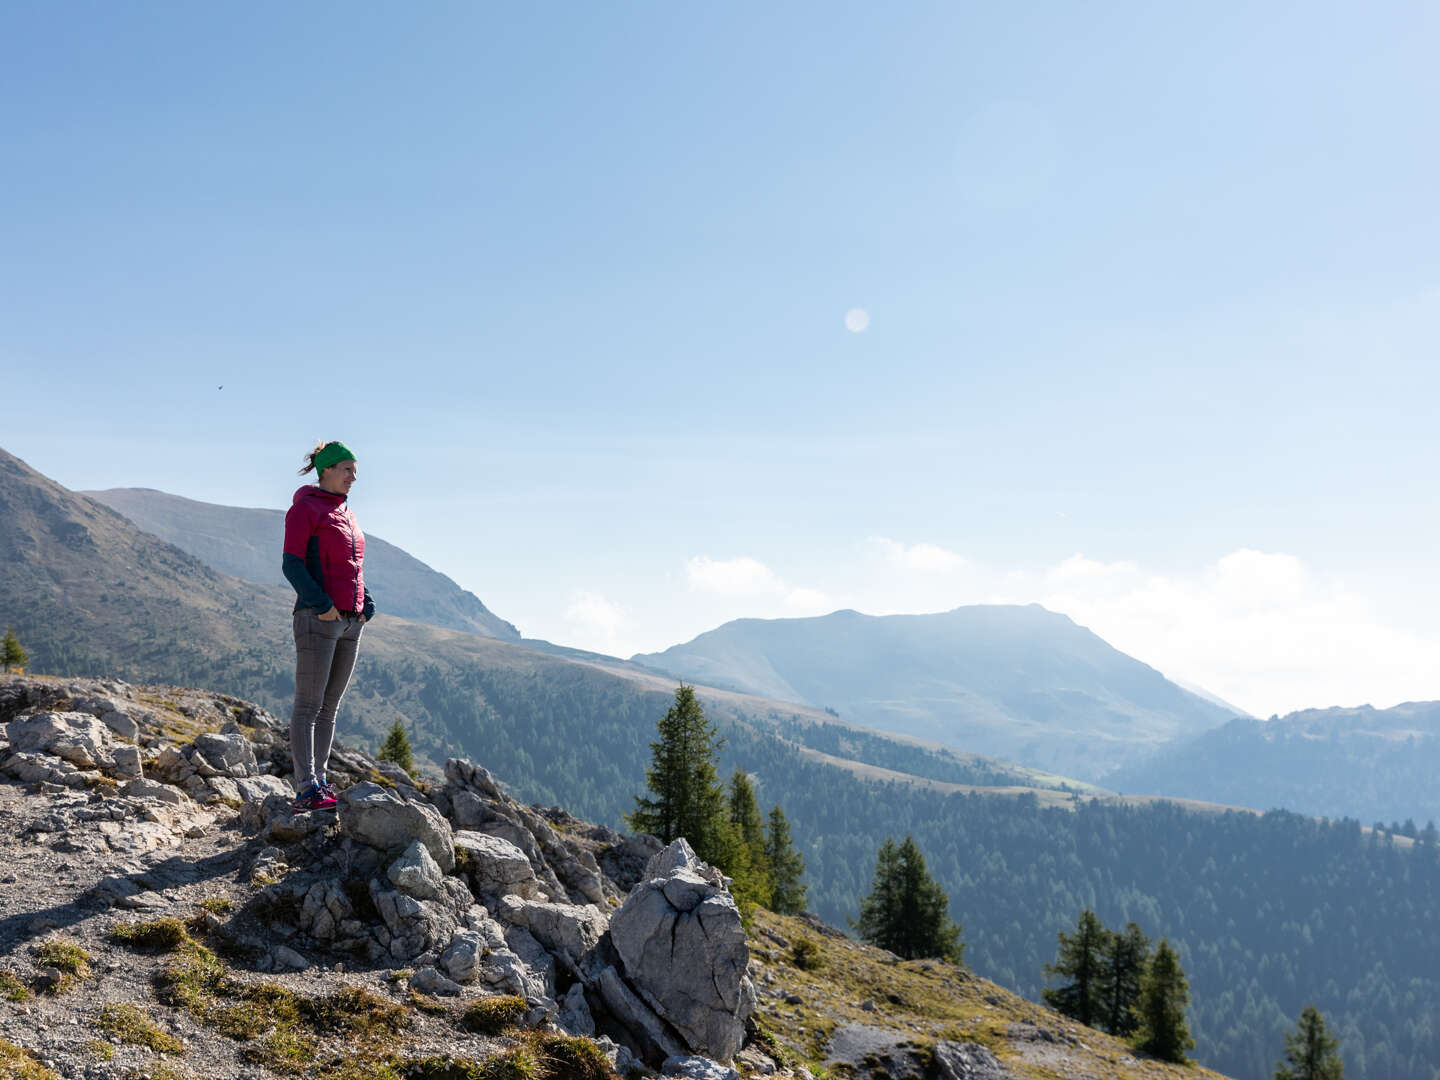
{"x":160,"y":935}
{"x":69,"y":959}
{"x":283,"y":1051}
{"x":566,"y":1057}
{"x":217,"y":905}
{"x":101,"y":1049}
{"x":805,"y":955}
{"x":11,"y":988}
{"x":426,"y":1004}
{"x":17,"y":1063}
{"x":492,"y":1015}
{"x":129,"y":1024}
{"x":66,"y":956}
{"x":517,"y":1063}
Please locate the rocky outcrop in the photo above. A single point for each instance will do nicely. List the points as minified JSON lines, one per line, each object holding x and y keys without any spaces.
{"x":679,"y":937}
{"x":375,"y":817}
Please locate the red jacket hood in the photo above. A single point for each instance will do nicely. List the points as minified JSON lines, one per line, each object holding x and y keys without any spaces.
{"x":315,"y":491}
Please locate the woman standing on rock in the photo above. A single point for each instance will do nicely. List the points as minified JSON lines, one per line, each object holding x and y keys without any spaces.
{"x":324,"y":557}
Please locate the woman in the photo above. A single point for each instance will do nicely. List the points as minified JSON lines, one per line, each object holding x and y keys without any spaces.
{"x":324,"y":556}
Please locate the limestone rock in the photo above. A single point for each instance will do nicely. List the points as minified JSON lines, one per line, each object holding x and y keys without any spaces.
{"x":967,"y":1061}
{"x":373,"y":816}
{"x":416,"y":873}
{"x":564,"y":929}
{"x":429,"y":981}
{"x":75,"y":737}
{"x":698,"y":1068}
{"x":497,"y":867}
{"x":683,"y":948}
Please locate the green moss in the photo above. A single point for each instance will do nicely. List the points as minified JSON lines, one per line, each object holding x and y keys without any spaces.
{"x":129,"y":1024}
{"x":20,"y":1064}
{"x":11,"y":988}
{"x":492,"y":1015}
{"x":161,"y":935}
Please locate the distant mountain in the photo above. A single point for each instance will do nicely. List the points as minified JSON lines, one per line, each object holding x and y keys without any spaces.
{"x":1020,"y":683}
{"x":1364,"y":763}
{"x":246,"y":543}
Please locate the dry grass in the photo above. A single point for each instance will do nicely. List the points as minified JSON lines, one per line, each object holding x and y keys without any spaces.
{"x":492,"y":1015}
{"x":128,"y":1023}
{"x":17,"y":1063}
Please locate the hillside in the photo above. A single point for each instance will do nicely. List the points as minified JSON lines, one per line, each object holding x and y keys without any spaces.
{"x":246,"y":544}
{"x":1267,"y":912}
{"x":1019,"y":683}
{"x":189,"y":941}
{"x":1371,"y":764}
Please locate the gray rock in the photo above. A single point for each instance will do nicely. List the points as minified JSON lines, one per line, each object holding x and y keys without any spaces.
{"x":258,"y":788}
{"x":497,"y":867}
{"x":75,"y":737}
{"x":967,"y":1061}
{"x":416,"y":873}
{"x":462,"y":957}
{"x":429,"y":981}
{"x":684,"y":950}
{"x":564,"y":929}
{"x":655,"y":1039}
{"x":128,"y":763}
{"x":375,"y":817}
{"x":153,"y":789}
{"x":121,"y":724}
{"x":223,"y":788}
{"x":229,"y":755}
{"x":698,"y":1068}
{"x":573,"y":1015}
{"x":286,"y":957}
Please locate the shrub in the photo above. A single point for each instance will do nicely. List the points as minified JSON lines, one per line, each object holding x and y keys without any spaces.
{"x":805,"y":955}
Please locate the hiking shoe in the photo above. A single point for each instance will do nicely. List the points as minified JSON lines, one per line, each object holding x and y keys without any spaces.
{"x":312,"y":797}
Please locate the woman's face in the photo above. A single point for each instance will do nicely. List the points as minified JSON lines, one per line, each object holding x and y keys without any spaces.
{"x":338,"y":478}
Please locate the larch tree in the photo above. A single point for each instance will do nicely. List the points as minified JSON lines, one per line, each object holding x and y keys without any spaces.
{"x":1311,"y":1053}
{"x":786,"y":864}
{"x":12,"y":654}
{"x":751,"y":865}
{"x":1127,"y":957}
{"x":906,"y":910}
{"x":396,"y":747}
{"x":1164,"y":996}
{"x":688,"y":797}
{"x":1081,"y":962}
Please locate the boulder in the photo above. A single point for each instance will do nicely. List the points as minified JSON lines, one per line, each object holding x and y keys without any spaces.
{"x":429,"y":981}
{"x":373,"y":816}
{"x":564,"y":929}
{"x":127,"y":763}
{"x":683,"y":948}
{"x":698,"y":1068}
{"x":227,"y":755}
{"x":497,"y":867}
{"x":416,"y":873}
{"x":75,"y":737}
{"x":462,"y":957}
{"x":967,"y":1061}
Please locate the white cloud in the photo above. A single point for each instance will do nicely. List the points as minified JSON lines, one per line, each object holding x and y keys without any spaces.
{"x":596,"y":621}
{"x":809,"y":602}
{"x":740,"y":576}
{"x":922,"y":556}
{"x":856,"y":320}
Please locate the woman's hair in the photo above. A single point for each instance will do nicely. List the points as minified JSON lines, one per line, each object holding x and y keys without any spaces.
{"x":310,"y":457}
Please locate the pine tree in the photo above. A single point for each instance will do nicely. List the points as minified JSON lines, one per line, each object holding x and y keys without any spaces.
{"x":1081,"y":960}
{"x":906,"y":911}
{"x":689,"y":797}
{"x":12,"y":655}
{"x":1164,"y":995}
{"x":1312,"y":1052}
{"x":1126,"y":960}
{"x":787,"y":865}
{"x":396,"y":747}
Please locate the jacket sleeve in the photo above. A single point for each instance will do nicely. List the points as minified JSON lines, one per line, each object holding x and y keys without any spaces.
{"x":297,"y":541}
{"x":369,"y":609}
{"x":306,"y":588}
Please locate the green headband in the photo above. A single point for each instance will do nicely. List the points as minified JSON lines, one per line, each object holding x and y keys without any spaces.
{"x":331,"y":454}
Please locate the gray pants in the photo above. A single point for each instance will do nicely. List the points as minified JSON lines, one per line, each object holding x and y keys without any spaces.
{"x":324,"y":658}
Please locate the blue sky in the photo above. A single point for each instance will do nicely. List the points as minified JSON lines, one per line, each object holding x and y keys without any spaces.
{"x":1152,"y":294}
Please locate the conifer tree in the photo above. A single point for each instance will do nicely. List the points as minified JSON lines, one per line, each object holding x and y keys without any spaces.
{"x":906,"y":911}
{"x":1164,"y":995}
{"x":396,"y":747}
{"x":1312,"y":1053}
{"x":689,"y":799}
{"x":755,"y":880}
{"x":12,"y":655}
{"x":1081,"y":960}
{"x":786,"y":864}
{"x":1126,"y":959}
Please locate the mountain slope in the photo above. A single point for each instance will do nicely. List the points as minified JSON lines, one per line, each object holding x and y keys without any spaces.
{"x":1020,"y":683}
{"x":246,"y":543}
{"x":1365,"y":763}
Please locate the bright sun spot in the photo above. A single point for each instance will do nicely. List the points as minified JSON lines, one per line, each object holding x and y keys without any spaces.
{"x":856,"y":320}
